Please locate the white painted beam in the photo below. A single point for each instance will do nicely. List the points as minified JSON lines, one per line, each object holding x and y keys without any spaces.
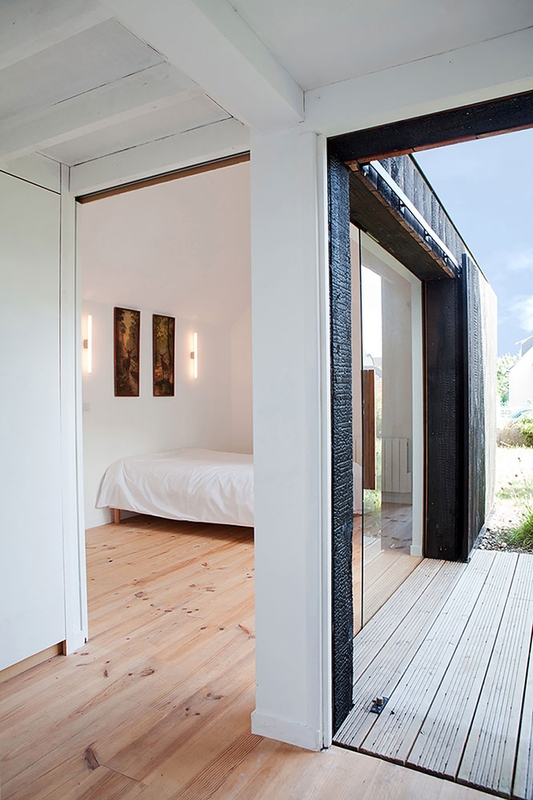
{"x":121,"y":100}
{"x":28,"y":27}
{"x":209,"y":143}
{"x":484,"y":71}
{"x":210,"y":42}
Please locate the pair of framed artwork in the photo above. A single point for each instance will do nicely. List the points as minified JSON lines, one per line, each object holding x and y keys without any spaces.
{"x":127,"y":328}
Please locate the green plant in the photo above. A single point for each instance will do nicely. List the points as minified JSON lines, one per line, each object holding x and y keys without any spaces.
{"x":505,"y":363}
{"x":525,"y":426}
{"x":522,"y":536}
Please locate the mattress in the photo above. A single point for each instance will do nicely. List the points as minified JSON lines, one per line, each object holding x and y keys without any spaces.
{"x":189,"y":484}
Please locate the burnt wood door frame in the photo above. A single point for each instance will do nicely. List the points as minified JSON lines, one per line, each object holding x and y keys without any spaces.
{"x":449,"y":518}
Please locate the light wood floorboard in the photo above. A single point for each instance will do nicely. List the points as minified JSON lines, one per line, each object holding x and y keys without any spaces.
{"x":156,"y":706}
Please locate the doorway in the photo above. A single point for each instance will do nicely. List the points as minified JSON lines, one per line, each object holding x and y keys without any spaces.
{"x":449,"y":322}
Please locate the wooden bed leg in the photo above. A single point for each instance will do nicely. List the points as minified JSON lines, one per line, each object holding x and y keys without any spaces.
{"x":116,"y":514}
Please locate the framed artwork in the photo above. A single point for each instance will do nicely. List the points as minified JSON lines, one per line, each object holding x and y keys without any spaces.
{"x":127,"y":336}
{"x":163,"y":359}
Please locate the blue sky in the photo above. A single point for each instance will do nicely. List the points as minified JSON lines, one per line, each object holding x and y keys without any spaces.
{"x":486,"y":187}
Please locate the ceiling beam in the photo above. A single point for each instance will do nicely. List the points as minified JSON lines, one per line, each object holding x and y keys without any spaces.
{"x":28,"y":27}
{"x":210,"y":42}
{"x":98,"y":108}
{"x":462,"y":124}
{"x":476,"y":73}
{"x":209,"y":143}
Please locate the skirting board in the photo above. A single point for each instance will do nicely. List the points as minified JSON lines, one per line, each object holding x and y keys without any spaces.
{"x":285,"y":731}
{"x":32,"y":661}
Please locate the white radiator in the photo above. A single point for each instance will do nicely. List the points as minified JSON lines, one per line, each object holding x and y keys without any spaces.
{"x":396,"y":465}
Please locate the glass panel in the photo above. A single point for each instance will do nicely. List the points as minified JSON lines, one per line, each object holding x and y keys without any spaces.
{"x":387,"y":291}
{"x":357,"y":557}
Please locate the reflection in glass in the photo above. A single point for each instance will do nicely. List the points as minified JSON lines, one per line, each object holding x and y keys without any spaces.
{"x":391,"y":540}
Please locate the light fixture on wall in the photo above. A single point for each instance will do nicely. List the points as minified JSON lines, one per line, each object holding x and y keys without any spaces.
{"x":88,"y":344}
{"x":194,"y":355}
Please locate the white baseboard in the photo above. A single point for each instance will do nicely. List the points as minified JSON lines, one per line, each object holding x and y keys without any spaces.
{"x":284,"y":730}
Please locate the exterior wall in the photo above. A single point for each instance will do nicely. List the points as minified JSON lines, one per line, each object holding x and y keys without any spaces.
{"x":521,"y":381}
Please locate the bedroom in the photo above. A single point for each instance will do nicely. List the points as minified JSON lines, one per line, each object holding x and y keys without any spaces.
{"x":178,"y":248}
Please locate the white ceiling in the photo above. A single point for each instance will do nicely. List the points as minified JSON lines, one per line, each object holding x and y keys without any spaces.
{"x":97,"y":56}
{"x":187,"y":241}
{"x":82,"y":79}
{"x":321,"y":43}
{"x":182,"y":114}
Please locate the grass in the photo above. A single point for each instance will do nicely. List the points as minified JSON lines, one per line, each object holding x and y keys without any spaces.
{"x":522,"y":536}
{"x":519,"y":491}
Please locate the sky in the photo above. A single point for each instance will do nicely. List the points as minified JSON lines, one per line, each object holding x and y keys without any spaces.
{"x":486,"y":187}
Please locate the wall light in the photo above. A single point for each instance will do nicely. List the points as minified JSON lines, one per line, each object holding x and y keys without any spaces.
{"x":194,"y":355}
{"x":88,"y":343}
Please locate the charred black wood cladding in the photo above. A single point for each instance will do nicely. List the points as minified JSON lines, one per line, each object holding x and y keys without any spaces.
{"x":475,"y":489}
{"x":341,"y":437}
{"x":457,"y":125}
{"x":446,"y":417}
{"x":372,"y":212}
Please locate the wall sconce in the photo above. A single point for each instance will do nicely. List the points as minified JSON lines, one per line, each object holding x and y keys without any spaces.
{"x":194,"y":355}
{"x":88,"y":344}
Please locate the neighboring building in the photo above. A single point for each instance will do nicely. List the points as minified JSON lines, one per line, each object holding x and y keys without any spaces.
{"x":521,"y":377}
{"x":99,"y":95}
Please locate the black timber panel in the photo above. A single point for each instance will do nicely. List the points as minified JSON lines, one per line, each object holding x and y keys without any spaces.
{"x":457,"y":125}
{"x":398,"y":232}
{"x":446,"y":417}
{"x":341,"y":437}
{"x":407,"y":173}
{"x":475,"y":385}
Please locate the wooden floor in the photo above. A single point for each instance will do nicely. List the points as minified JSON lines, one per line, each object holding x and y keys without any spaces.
{"x":157,"y":705}
{"x":451,"y":650}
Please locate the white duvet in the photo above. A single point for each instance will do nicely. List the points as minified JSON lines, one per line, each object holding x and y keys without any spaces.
{"x":191,"y":484}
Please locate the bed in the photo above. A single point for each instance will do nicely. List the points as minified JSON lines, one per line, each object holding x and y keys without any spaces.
{"x":191,"y":484}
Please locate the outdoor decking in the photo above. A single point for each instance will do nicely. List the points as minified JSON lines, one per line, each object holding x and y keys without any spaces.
{"x":451,"y":650}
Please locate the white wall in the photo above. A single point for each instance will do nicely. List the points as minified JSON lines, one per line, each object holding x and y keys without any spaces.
{"x":199,"y":414}
{"x":32,"y":613}
{"x":182,"y":249}
{"x":241,"y":384}
{"x":521,"y":381}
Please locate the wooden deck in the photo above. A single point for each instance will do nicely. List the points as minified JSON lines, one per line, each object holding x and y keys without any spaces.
{"x":451,"y":650}
{"x":157,"y":705}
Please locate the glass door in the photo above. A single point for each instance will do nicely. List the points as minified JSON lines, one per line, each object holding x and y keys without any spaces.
{"x":391,"y":426}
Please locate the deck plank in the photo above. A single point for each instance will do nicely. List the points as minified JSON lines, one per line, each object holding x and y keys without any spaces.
{"x":440,"y":744}
{"x":394,"y":732}
{"x":490,"y":753}
{"x":379,"y":668}
{"x":377,"y":631}
{"x":523,"y":781}
{"x":389,"y":569}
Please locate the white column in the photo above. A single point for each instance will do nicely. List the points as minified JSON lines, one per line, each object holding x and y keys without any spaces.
{"x":74,"y":566}
{"x":291,"y":437}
